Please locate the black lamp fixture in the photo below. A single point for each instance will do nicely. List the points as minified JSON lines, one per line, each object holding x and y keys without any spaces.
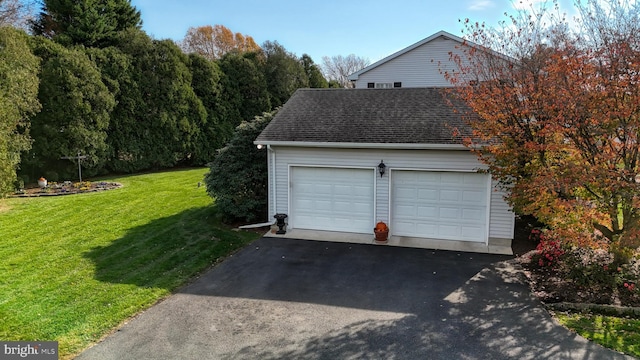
{"x":381,"y":167}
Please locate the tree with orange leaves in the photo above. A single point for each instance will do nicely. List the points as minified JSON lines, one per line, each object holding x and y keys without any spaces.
{"x":560,"y":110}
{"x":213,"y":42}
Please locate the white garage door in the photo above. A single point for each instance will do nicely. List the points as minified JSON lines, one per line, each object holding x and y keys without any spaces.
{"x":332,"y":199}
{"x":440,"y":205}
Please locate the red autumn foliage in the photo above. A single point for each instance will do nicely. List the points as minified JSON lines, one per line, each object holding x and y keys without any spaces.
{"x":560,"y":112}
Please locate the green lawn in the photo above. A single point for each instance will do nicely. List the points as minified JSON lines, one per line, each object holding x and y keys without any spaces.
{"x":74,"y":267}
{"x":618,"y":333}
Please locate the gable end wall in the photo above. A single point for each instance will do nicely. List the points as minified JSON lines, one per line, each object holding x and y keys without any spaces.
{"x":420,"y":67}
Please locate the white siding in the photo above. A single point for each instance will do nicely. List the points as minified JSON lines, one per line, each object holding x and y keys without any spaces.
{"x":420,"y":67}
{"x":501,"y":218}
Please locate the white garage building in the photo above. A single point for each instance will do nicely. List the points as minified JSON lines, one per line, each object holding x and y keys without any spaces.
{"x":324,"y":150}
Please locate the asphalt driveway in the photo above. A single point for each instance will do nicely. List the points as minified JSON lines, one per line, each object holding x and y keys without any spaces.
{"x":296,"y":299}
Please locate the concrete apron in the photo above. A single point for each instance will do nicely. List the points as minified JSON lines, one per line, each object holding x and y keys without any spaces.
{"x":500,"y":247}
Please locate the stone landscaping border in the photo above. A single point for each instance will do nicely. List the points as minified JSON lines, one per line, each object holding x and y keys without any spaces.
{"x":96,"y":187}
{"x":601,"y":309}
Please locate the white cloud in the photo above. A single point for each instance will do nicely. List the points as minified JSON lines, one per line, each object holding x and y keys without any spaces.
{"x":479,"y":5}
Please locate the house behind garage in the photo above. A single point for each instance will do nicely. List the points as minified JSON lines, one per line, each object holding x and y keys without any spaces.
{"x":325,"y":147}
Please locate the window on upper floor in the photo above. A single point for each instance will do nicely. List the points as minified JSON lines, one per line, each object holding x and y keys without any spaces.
{"x":381,"y":85}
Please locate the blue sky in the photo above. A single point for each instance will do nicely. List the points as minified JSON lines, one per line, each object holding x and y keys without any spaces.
{"x":367,"y":28}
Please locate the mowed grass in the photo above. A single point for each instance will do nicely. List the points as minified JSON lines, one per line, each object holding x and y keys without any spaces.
{"x":618,"y":333}
{"x":74,"y":267}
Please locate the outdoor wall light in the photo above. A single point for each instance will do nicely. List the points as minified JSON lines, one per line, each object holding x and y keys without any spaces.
{"x":381,"y":167}
{"x":259,"y":146}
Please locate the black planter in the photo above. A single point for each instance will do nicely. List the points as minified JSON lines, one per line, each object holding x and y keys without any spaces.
{"x":280,"y":222}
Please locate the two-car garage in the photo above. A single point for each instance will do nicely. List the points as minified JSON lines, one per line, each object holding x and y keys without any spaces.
{"x":442,"y":205}
{"x":323,"y":149}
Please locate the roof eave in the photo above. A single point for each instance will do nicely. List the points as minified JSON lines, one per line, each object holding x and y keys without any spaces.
{"x":351,"y":145}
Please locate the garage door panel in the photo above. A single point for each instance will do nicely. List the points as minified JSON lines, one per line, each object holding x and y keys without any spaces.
{"x":472,"y":231}
{"x":306,"y":189}
{"x":449,"y":230}
{"x":475,"y":179}
{"x":333,"y":199}
{"x":302,"y":203}
{"x":343,"y":190}
{"x":450,"y":195}
{"x":451,"y":178}
{"x":322,"y":205}
{"x":341,"y":206}
{"x":427,"y":194}
{"x":426,"y":212}
{"x":406,"y":193}
{"x":473,"y":215}
{"x":424,"y":177}
{"x":361,"y":191}
{"x":449,"y":214}
{"x":429,"y":230}
{"x":448,"y":205}
{"x":361,"y":207}
{"x":471,"y":196}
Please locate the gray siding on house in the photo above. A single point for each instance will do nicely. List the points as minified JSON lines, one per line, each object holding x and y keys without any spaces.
{"x":420,"y":67}
{"x":501,"y":218}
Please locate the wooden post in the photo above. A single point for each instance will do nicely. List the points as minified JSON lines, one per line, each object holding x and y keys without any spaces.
{"x":77,"y":157}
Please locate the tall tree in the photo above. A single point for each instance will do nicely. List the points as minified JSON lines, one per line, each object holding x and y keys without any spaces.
{"x":18,"y":101}
{"x":283,"y":72}
{"x":314,"y":74}
{"x":244,"y":88}
{"x":339,"y":68}
{"x":213,"y":42}
{"x":560,"y":121}
{"x":158,"y":116}
{"x":92,"y":23}
{"x":76,"y":107}
{"x":214,"y":132}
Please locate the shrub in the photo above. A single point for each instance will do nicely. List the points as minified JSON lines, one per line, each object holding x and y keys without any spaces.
{"x":591,"y":267}
{"x":628,"y":279}
{"x":51,"y":176}
{"x":237,"y":179}
{"x":548,"y":252}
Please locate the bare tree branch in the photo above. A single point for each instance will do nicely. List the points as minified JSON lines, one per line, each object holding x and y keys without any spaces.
{"x":339,"y":67}
{"x":17,"y":13}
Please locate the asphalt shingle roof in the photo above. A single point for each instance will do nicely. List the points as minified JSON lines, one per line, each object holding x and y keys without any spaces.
{"x":385,"y":116}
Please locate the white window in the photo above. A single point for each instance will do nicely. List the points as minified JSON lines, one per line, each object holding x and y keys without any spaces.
{"x":384,"y":85}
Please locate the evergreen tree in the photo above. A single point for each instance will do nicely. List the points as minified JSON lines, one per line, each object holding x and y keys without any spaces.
{"x":158,"y":118}
{"x":76,"y":106}
{"x":92,"y":23}
{"x":238,"y":177}
{"x":283,"y":72}
{"x":314,"y":74}
{"x":214,"y":133}
{"x":244,"y":87}
{"x":18,"y":101}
